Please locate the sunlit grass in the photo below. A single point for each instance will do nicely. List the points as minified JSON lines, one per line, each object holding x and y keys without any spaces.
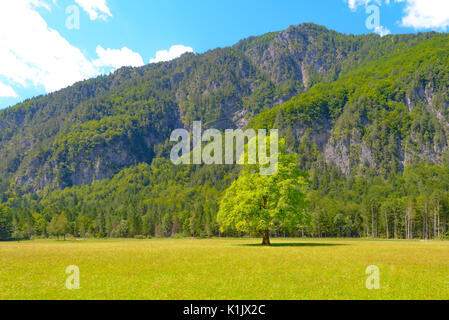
{"x":224,"y":269}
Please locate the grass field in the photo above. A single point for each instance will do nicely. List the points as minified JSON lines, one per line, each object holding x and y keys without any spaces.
{"x":224,"y":269}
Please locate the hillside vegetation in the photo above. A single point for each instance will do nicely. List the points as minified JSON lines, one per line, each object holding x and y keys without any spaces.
{"x":367,"y":115}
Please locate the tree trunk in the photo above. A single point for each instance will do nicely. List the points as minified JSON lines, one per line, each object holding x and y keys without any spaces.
{"x":406,"y":226}
{"x":438,"y":223}
{"x":396,"y":225}
{"x":426,"y":220}
{"x":435,"y":223}
{"x":266,"y":238}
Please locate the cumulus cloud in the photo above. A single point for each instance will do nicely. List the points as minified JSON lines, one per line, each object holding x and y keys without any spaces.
{"x":7,"y":91}
{"x":32,"y":54}
{"x":117,"y":58}
{"x":426,"y":14}
{"x":173,"y":53}
{"x":418,"y":14}
{"x":96,"y":9}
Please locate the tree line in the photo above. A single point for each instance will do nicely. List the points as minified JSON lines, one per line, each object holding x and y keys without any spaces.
{"x":163,"y":200}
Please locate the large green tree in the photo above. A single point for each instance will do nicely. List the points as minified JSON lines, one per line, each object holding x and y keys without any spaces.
{"x":259,"y":203}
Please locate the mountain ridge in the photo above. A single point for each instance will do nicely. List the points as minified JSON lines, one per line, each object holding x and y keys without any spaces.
{"x":94,"y":129}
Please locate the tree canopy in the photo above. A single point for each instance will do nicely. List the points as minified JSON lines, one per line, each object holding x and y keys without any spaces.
{"x":259,"y":203}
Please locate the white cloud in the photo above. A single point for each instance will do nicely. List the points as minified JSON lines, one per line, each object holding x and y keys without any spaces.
{"x":96,"y":9}
{"x":426,"y":14}
{"x":117,"y":58}
{"x":419,"y":14}
{"x":32,"y":54}
{"x":7,"y":91}
{"x":382,"y":31}
{"x":173,"y":53}
{"x":353,"y":4}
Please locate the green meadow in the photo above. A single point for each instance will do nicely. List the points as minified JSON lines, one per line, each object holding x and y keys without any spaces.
{"x":224,"y":269}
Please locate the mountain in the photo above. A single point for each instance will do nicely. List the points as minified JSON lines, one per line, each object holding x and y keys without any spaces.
{"x":94,"y":129}
{"x":355,"y":108}
{"x":386,"y":115}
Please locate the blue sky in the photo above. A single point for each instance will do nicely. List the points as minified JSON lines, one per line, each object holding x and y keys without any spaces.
{"x":46,"y":45}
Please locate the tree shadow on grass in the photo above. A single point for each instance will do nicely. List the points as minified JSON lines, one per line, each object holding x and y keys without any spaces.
{"x":293,"y":244}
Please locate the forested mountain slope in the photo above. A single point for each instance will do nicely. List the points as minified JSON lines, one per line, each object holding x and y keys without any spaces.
{"x":92,"y":130}
{"x":377,"y":120}
{"x":367,"y":115}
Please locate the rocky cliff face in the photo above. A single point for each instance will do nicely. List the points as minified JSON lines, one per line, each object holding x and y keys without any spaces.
{"x":357,"y":148}
{"x":297,"y":54}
